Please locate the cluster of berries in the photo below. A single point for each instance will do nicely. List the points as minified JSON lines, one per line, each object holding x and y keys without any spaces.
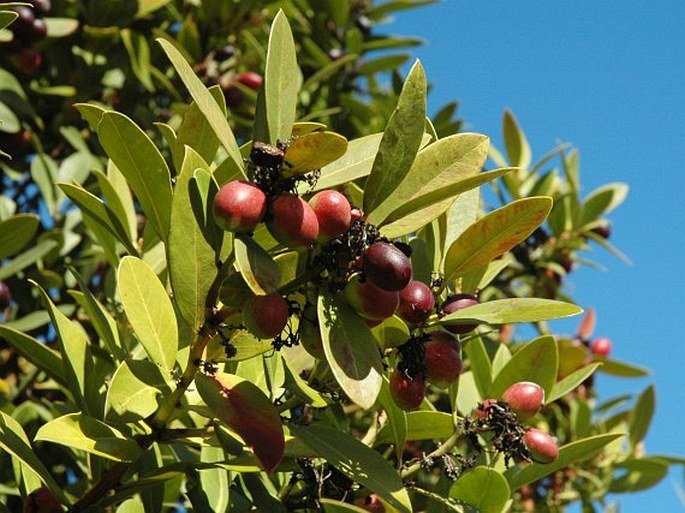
{"x":524,"y":399}
{"x":27,"y":29}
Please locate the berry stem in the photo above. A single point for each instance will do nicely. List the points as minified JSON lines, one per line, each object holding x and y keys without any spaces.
{"x":446,"y":447}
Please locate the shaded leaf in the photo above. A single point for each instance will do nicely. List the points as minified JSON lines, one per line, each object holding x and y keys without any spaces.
{"x":350,"y":350}
{"x":482,"y":488}
{"x":357,"y":461}
{"x":36,"y":352}
{"x":622,"y":369}
{"x":422,"y":425}
{"x":639,"y":474}
{"x":313,"y":151}
{"x":397,"y":419}
{"x":134,"y":389}
{"x":257,"y":267}
{"x":16,"y":232}
{"x":641,"y":415}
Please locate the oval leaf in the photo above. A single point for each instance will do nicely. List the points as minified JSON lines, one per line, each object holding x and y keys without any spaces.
{"x":351,"y":351}
{"x":537,"y":361}
{"x":622,"y":369}
{"x":483,"y":488}
{"x":16,"y":232}
{"x":641,"y":415}
{"x":422,"y":425}
{"x":357,"y":461}
{"x":134,"y":389}
{"x":246,"y":410}
{"x":495,"y":234}
{"x":149,"y":310}
{"x":512,"y":310}
{"x":79,"y":431}
{"x":571,"y":382}
{"x":313,"y":151}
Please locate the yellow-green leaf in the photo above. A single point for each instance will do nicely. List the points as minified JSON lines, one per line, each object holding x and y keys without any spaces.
{"x":313,"y":151}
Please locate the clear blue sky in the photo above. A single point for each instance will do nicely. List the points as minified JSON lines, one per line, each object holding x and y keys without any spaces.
{"x":609,"y":77}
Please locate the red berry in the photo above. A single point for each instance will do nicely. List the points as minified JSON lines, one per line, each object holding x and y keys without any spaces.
{"x":357,"y":214}
{"x":5,"y":295}
{"x":481,"y":411}
{"x":333,"y":212}
{"x":28,"y":60}
{"x":406,"y":392}
{"x":251,"y":79}
{"x":38,"y":31}
{"x":369,"y":301}
{"x":370,"y":503}
{"x":542,"y":447}
{"x":416,"y":302}
{"x":386,"y":266}
{"x":601,"y":347}
{"x":293,"y":223}
{"x":442,"y":359}
{"x":239,"y":206}
{"x":41,"y":501}
{"x":455,"y":303}
{"x":265,"y":316}
{"x":525,"y":399}
{"x":603,"y":231}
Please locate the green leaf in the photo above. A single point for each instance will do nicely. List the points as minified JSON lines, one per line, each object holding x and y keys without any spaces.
{"x":419,"y":211}
{"x":139,"y":160}
{"x":99,"y":212}
{"x":435,"y":168}
{"x":480,"y":364}
{"x":299,"y":387}
{"x":134,"y":389}
{"x":537,"y":361}
{"x":6,"y":18}
{"x":422,"y":425}
{"x":397,"y":419}
{"x":245,"y":409}
{"x":13,"y":439}
{"x":392,"y":332}
{"x":78,"y":431}
{"x":601,"y":201}
{"x":16,"y":232}
{"x":482,"y":488}
{"x":36,"y":352}
{"x":574,"y":452}
{"x":357,"y":461}
{"x":400,"y":143}
{"x":149,"y":310}
{"x":515,"y":142}
{"x":76,"y":358}
{"x":196,"y":132}
{"x":355,"y":163}
{"x":495,"y":234}
{"x":511,"y":310}
{"x":333,"y":506}
{"x":641,"y":415}
{"x":205,"y":102}
{"x":281,"y":82}
{"x":61,"y":27}
{"x":622,"y":369}
{"x":28,"y":257}
{"x":145,"y":7}
{"x":571,"y":382}
{"x":350,"y":350}
{"x":640,"y":474}
{"x":192,"y":260}
{"x":312,"y":151}
{"x":139,"y":56}
{"x":248,"y":346}
{"x":257,"y":267}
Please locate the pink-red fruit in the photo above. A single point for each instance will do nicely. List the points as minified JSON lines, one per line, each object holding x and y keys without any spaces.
{"x":525,"y":399}
{"x":333,"y":212}
{"x":406,"y":392}
{"x":265,"y":316}
{"x":442,"y":359}
{"x":371,"y":503}
{"x":455,"y":303}
{"x":416,"y":302}
{"x":386,"y":266}
{"x":239,"y":206}
{"x":481,"y":411}
{"x":369,"y":301}
{"x":251,"y":79}
{"x":41,"y":501}
{"x":293,"y":223}
{"x":601,"y":347}
{"x":542,"y":447}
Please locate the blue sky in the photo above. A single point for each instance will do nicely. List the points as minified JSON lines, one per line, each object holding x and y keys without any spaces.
{"x":609,"y":77}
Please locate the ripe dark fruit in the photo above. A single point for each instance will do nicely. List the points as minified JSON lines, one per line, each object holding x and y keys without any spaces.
{"x":442,"y":359}
{"x":28,"y":60}
{"x":239,"y":206}
{"x":293,"y":223}
{"x":41,"y":501}
{"x":5,"y":295}
{"x":24,"y":22}
{"x":251,"y":79}
{"x":39,"y":30}
{"x":333,"y":212}
{"x":369,"y":301}
{"x":455,"y":303}
{"x":386,"y":266}
{"x":525,"y":399}
{"x":407,"y":393}
{"x":603,"y":231}
{"x":416,"y":302}
{"x":42,"y":7}
{"x":265,"y":316}
{"x":224,"y":53}
{"x":601,"y":347}
{"x":542,"y":447}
